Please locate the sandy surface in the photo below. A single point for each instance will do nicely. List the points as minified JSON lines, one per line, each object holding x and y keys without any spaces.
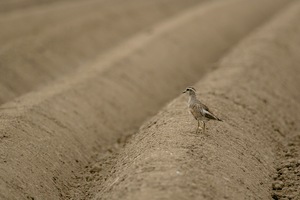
{"x":52,"y":39}
{"x":236,"y":158}
{"x":73,"y":125}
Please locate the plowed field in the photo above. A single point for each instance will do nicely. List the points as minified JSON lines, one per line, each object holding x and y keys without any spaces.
{"x":91,"y":104}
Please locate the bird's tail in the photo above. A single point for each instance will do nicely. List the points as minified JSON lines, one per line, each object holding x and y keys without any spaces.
{"x":217,"y":118}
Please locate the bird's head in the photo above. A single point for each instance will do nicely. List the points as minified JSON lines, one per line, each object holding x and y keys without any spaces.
{"x":190,"y":90}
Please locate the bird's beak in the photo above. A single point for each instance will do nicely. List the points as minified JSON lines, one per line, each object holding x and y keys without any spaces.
{"x":184,"y":91}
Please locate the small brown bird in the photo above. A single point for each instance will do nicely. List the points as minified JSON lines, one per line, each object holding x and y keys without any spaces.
{"x":198,"y":109}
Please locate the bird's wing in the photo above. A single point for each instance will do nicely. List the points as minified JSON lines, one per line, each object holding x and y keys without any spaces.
{"x":207,"y":113}
{"x":199,"y":109}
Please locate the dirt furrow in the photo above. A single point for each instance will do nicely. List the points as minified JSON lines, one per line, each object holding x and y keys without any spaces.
{"x":47,"y":42}
{"x":286,"y":179}
{"x":47,"y":136}
{"x":256,"y":93}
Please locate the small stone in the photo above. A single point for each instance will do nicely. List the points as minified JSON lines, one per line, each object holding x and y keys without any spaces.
{"x":95,"y":169}
{"x":278,"y":185}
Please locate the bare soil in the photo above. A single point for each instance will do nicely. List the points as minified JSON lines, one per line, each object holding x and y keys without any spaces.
{"x":50,"y":40}
{"x":91,"y":105}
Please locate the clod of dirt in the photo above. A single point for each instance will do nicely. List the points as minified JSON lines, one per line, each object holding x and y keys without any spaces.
{"x":278,"y":185}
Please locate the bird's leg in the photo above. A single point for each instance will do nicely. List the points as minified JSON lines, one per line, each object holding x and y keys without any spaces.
{"x":203,"y":126}
{"x":199,"y":127}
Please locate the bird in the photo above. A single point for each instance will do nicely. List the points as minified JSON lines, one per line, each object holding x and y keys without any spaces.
{"x":200,"y":111}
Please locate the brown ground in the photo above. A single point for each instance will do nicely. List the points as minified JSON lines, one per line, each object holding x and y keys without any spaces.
{"x":83,"y":86}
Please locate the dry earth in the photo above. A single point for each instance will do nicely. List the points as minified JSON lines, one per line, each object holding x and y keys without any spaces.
{"x":83,"y":86}
{"x":49,"y":40}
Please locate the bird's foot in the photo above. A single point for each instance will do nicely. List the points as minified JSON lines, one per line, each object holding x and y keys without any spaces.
{"x":199,"y":129}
